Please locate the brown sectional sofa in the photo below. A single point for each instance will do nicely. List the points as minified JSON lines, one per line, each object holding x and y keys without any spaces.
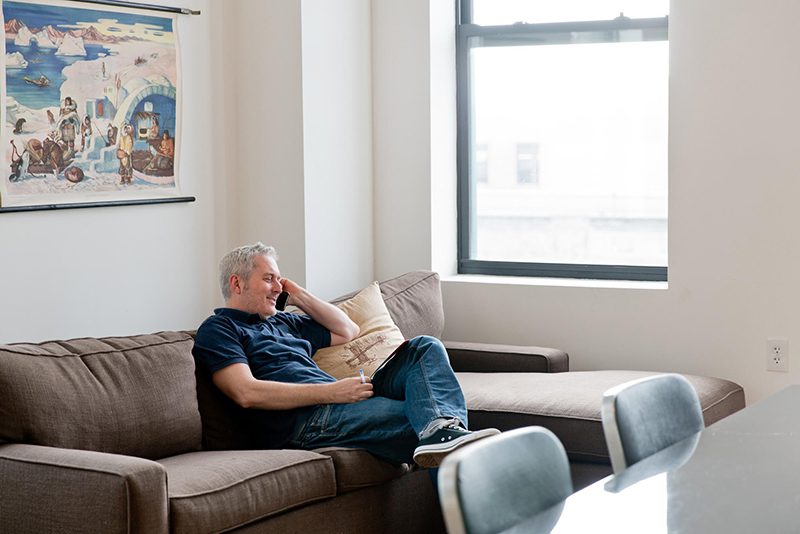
{"x":120,"y":435}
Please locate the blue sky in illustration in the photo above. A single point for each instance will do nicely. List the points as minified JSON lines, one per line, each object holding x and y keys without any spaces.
{"x":38,"y":15}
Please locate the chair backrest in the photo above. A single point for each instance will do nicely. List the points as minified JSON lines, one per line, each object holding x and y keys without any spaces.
{"x":644,"y":416}
{"x":503,"y":481}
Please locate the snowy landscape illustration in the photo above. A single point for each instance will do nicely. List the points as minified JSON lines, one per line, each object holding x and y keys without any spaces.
{"x":91,"y":100}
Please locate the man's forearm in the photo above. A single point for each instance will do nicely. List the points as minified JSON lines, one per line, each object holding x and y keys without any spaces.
{"x":267,"y":395}
{"x":325,"y":313}
{"x":238,"y":383}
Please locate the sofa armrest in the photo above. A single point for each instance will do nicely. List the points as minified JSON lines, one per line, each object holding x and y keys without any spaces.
{"x":48,"y":489}
{"x":490,"y":358}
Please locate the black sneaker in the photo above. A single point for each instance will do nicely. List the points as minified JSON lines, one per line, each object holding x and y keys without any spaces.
{"x":431,"y":450}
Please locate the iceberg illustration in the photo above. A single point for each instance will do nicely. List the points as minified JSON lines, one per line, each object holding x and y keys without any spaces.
{"x":43,"y":40}
{"x":71,"y":46}
{"x":23,"y":37}
{"x":15,"y":60}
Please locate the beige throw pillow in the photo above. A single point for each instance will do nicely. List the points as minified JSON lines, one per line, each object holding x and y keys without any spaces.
{"x":378,"y":338}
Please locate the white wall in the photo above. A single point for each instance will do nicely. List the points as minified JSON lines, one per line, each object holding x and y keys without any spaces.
{"x":414,"y":129}
{"x":265,"y":52}
{"x":442,"y":84}
{"x":303,"y":124}
{"x":734,"y":252}
{"x":337,"y":145}
{"x":123,"y":270}
{"x":401,"y":93}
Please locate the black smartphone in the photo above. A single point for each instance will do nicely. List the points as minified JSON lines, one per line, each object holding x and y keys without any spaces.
{"x":280,"y":304}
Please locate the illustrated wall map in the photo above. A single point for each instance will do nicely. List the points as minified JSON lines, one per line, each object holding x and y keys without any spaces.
{"x":91,"y":104}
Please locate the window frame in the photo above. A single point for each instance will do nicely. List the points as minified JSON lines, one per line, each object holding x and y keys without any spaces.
{"x":653,"y":29}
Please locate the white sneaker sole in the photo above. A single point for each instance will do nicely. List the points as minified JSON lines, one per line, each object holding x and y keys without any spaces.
{"x":428,"y":456}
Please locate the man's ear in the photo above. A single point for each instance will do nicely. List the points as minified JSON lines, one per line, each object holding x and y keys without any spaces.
{"x":235,"y":284}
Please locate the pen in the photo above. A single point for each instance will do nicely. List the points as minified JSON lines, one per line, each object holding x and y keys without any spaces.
{"x":361,"y":373}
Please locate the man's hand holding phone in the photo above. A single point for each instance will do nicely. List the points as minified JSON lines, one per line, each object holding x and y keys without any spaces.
{"x":289,"y":288}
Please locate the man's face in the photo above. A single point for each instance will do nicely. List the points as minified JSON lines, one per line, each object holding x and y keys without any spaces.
{"x":262,"y":288}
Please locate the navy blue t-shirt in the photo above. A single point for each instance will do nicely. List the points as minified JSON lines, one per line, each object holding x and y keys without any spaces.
{"x":279,"y":348}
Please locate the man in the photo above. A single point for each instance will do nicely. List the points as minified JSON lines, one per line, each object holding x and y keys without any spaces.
{"x":413,"y":409}
{"x":69,"y":123}
{"x":86,"y":132}
{"x":164,"y":153}
{"x":111,"y":135}
{"x":125,"y":155}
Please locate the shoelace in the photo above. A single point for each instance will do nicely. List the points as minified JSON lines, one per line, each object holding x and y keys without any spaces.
{"x":452,"y":423}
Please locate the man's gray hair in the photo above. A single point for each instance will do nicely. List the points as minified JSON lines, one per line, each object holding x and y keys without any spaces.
{"x":241,"y":262}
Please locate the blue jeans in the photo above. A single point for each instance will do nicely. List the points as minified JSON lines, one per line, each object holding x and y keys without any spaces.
{"x":414,"y":388}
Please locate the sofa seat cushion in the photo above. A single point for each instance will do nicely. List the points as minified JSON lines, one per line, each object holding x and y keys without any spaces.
{"x":127,"y":395}
{"x":356,"y":468}
{"x":212,"y":491}
{"x":569,"y":403}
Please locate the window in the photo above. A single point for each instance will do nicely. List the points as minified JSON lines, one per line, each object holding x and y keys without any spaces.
{"x":569,"y":97}
{"x":481,"y":164}
{"x":527,"y":163}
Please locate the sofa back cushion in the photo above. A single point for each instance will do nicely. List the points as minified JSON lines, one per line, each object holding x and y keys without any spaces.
{"x":128,"y":395}
{"x":414,"y":301}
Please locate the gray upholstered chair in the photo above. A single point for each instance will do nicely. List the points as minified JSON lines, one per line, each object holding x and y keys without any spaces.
{"x":516,"y":478}
{"x":644,"y":416}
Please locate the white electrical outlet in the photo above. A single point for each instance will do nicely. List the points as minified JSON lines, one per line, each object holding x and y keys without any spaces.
{"x":778,"y":354}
